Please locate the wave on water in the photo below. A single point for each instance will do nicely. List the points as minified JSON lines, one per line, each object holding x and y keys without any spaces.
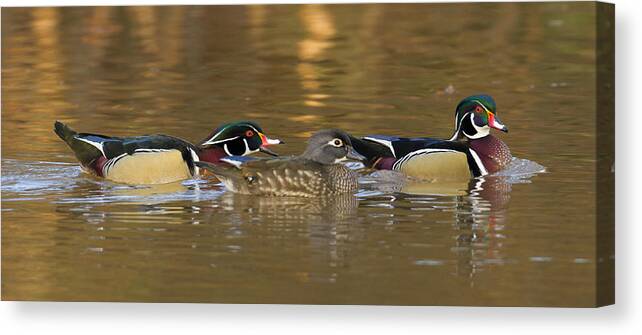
{"x":519,"y":167}
{"x":380,"y":182}
{"x":188,"y":190}
{"x":67,"y":183}
{"x":37,"y":178}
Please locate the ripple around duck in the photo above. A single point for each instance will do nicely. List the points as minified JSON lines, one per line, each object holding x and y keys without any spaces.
{"x":29,"y":178}
{"x":65,"y":183}
{"x":37,"y":180}
{"x":189,"y":190}
{"x":384,"y":200}
{"x":382,"y":182}
{"x":521,"y":168}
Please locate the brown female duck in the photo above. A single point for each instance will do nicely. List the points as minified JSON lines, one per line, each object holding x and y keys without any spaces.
{"x":316,"y":172}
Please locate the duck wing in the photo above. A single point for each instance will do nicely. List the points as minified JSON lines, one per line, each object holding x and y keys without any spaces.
{"x":381,"y":146}
{"x":272,"y":176}
{"x":155,"y":143}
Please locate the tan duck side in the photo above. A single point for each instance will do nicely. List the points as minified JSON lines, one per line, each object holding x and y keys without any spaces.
{"x":150,"y":168}
{"x":438,"y":166}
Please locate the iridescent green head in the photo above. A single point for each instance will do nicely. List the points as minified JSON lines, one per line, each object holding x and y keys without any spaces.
{"x":474,"y":117}
{"x":240,"y":138}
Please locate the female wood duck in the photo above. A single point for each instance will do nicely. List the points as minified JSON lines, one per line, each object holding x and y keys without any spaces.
{"x":317,"y":172}
{"x":471,"y":151}
{"x":158,"y":159}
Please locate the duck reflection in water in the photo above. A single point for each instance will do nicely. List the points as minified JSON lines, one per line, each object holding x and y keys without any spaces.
{"x":325,"y":224}
{"x":479,"y":211}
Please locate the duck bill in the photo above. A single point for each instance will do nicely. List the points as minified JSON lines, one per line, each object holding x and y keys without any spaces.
{"x":494,"y":122}
{"x":355,"y":156}
{"x":265,"y":141}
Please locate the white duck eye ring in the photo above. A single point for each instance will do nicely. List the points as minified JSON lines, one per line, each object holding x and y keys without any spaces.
{"x":336,"y":143}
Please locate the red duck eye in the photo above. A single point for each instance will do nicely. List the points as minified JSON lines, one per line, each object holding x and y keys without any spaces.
{"x":249,"y":133}
{"x":478,"y":109}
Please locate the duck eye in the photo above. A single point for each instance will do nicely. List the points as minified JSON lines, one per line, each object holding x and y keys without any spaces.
{"x":478,"y":109}
{"x":337,"y":142}
{"x":249,"y":133}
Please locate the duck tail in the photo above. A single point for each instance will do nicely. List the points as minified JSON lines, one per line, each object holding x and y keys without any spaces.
{"x":64,"y":132}
{"x":84,"y":152}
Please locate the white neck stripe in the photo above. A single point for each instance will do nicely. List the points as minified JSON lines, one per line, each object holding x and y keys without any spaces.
{"x":481,"y":131}
{"x":480,"y":165}
{"x":247,"y":148}
{"x":458,"y":129}
{"x":195,"y":159}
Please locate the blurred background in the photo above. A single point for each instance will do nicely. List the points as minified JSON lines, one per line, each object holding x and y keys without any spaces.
{"x":375,"y":68}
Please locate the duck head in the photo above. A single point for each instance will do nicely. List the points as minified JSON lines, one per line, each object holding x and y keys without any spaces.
{"x":330,"y":146}
{"x":240,"y":139}
{"x":475,"y":116}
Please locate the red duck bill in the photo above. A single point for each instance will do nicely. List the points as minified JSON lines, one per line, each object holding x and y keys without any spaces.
{"x":494,"y":122}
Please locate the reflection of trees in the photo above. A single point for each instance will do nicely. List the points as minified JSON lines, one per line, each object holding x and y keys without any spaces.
{"x":370,"y":67}
{"x":320,"y":31}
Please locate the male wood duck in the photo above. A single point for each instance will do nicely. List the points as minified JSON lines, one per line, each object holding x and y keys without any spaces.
{"x":158,"y":159}
{"x":317,"y":172}
{"x":471,"y":151}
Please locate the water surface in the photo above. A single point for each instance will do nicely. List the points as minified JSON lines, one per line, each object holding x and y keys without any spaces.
{"x":518,"y":238}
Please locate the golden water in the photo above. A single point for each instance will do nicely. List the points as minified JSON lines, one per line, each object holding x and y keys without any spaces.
{"x":515,"y":239}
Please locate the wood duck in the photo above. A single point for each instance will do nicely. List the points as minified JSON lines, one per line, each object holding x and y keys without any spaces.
{"x":471,"y":151}
{"x":316,"y":172}
{"x":158,"y":159}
